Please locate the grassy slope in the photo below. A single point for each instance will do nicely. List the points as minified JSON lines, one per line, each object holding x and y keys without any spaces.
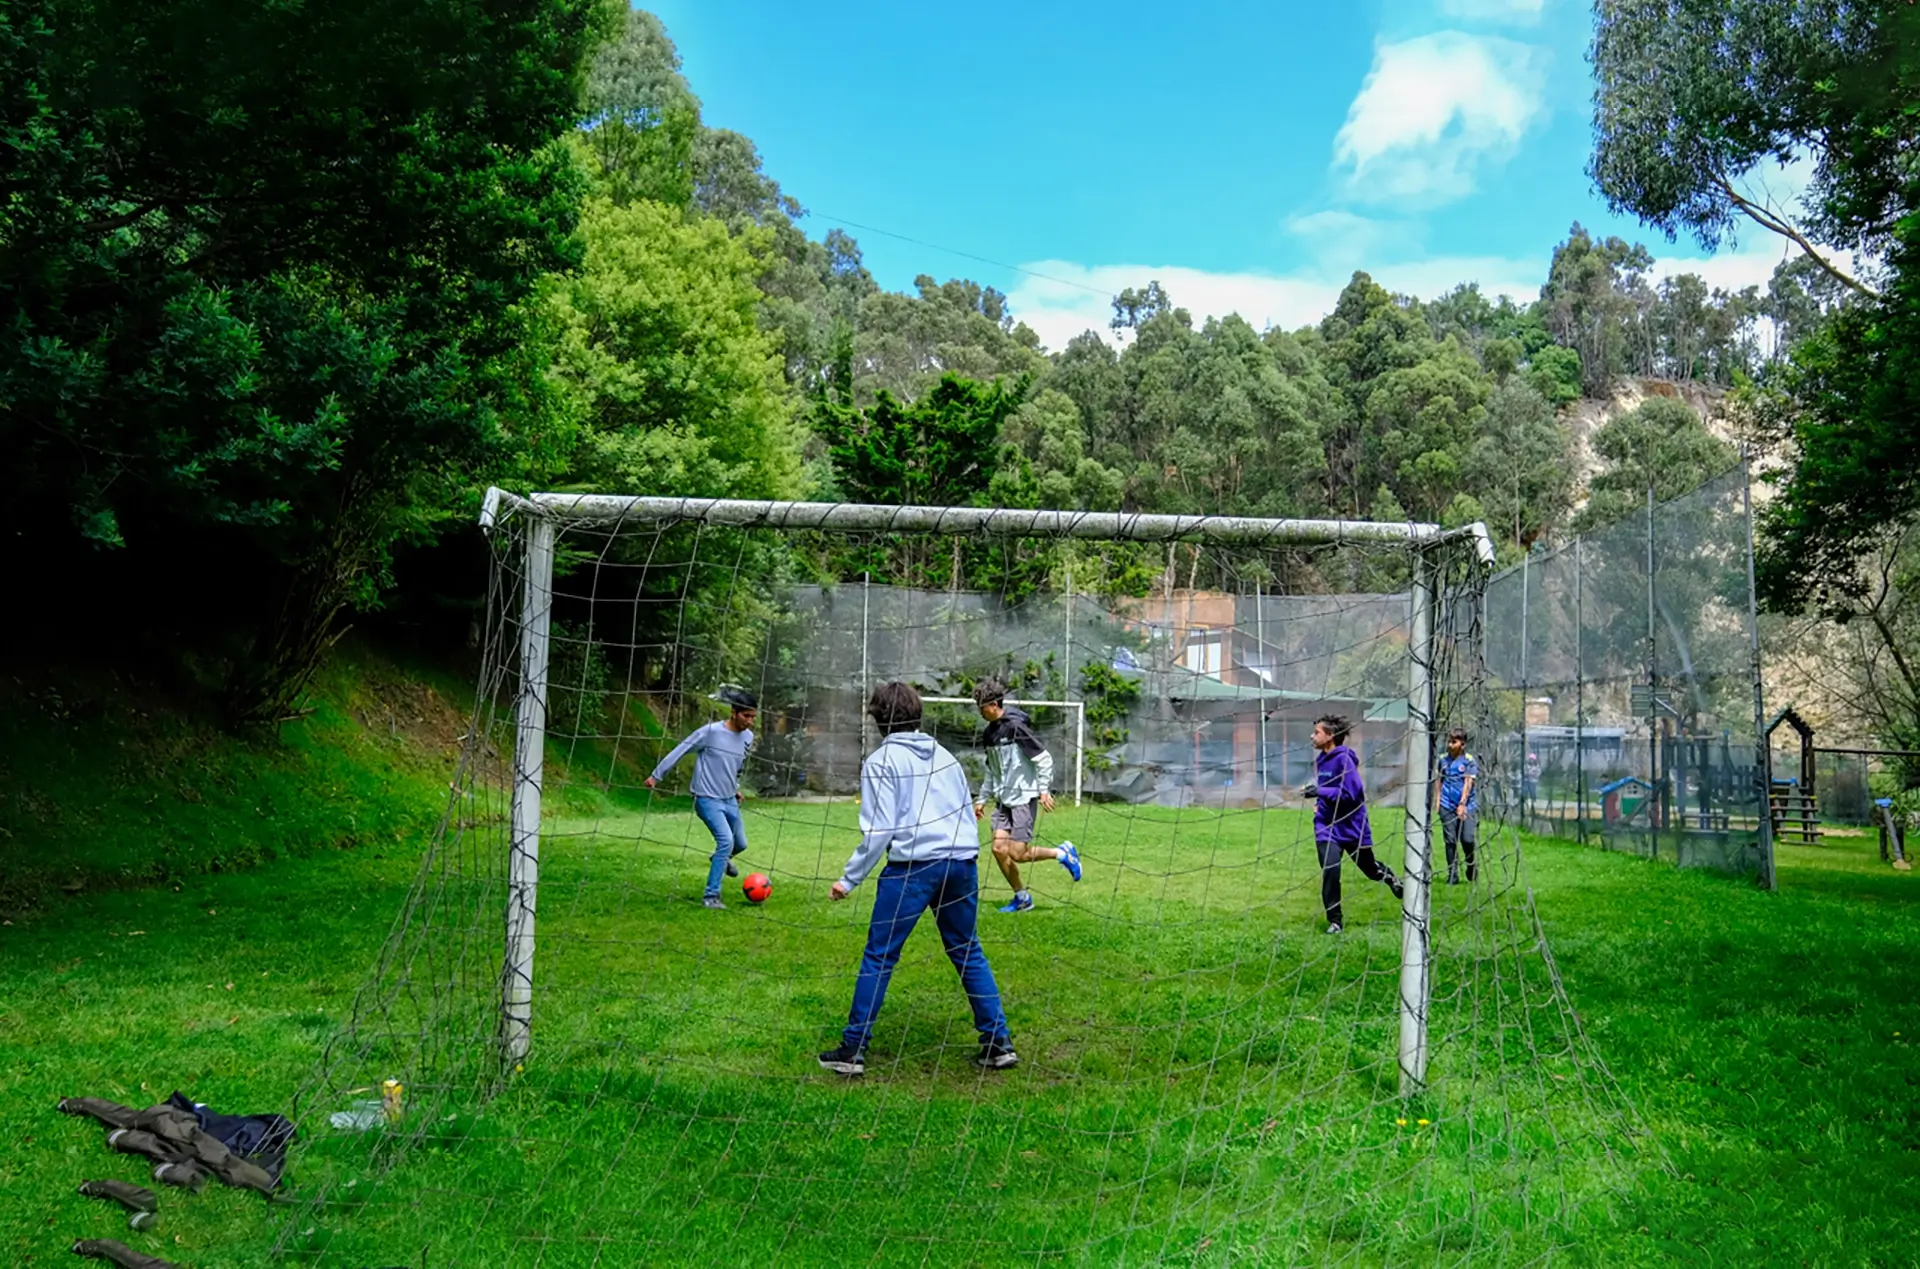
{"x":1767,"y":1038}
{"x":104,"y":785}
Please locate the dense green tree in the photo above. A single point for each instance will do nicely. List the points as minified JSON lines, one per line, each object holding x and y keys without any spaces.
{"x":903,"y":344}
{"x":264,"y":269}
{"x":1422,"y":422}
{"x":674,"y":386}
{"x":642,"y":120}
{"x":1554,"y":372}
{"x":937,"y":450}
{"x":1694,"y":97}
{"x":1501,"y":357}
{"x":1043,"y":460}
{"x":1367,"y":336}
{"x":1586,"y":303}
{"x":1521,"y":468}
{"x":1660,"y":443}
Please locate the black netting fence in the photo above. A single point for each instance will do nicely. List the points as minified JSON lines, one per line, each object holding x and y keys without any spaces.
{"x":1630,"y":710}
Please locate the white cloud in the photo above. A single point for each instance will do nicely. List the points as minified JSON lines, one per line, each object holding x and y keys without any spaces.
{"x":1781,"y":188}
{"x":1078,"y":297}
{"x":1342,"y":241}
{"x":1058,"y":308}
{"x":1435,"y":109}
{"x":1519,"y":12}
{"x":1750,"y":264}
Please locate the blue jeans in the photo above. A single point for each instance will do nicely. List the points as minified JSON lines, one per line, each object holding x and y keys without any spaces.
{"x":951,"y":887}
{"x":722,"y":818}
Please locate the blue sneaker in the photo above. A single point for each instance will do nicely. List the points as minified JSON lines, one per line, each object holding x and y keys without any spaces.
{"x":1022,"y":901}
{"x":1070,"y":859}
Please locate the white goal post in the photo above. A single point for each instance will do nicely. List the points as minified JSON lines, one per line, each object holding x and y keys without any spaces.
{"x":550,"y":511}
{"x":1079,"y":709}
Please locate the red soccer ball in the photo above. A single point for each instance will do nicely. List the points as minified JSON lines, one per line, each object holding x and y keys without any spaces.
{"x":757,"y":887}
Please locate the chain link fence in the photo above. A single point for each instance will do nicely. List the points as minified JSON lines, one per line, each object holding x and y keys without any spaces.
{"x":1629,"y":705}
{"x":1195,"y":697}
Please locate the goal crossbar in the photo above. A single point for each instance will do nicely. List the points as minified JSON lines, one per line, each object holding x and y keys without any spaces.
{"x":856,"y":517}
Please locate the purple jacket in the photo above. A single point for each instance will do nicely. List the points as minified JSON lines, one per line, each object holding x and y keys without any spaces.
{"x":1340,"y":812}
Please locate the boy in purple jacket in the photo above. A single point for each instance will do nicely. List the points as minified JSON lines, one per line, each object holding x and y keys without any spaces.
{"x":1340,"y":816}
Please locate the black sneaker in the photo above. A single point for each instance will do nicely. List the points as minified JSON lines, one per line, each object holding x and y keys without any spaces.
{"x":845,"y":1060}
{"x":994,"y":1056}
{"x":1397,"y":886}
{"x":732,"y":871}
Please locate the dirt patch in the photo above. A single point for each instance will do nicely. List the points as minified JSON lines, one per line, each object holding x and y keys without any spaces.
{"x":404,"y":709}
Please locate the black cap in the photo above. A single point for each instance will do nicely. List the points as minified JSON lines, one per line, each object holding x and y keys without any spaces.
{"x":739,"y":698}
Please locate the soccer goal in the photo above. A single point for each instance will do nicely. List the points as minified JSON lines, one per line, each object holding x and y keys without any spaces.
{"x":1244,"y":1036}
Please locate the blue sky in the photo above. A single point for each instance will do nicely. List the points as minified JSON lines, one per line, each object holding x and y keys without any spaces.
{"x":1250,"y":156}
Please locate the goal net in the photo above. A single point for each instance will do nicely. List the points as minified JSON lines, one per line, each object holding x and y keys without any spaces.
{"x":594,"y":1067}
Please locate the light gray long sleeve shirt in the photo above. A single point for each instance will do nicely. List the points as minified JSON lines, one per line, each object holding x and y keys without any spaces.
{"x":719,"y":753}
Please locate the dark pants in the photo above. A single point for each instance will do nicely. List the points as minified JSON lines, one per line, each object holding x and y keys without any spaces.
{"x":951,"y":887}
{"x":1460,"y":834}
{"x":1330,"y":853}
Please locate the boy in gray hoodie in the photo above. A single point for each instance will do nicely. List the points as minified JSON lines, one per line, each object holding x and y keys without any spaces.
{"x":915,"y":810}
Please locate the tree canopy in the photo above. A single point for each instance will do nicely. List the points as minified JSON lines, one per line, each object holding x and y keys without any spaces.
{"x":293,"y":286}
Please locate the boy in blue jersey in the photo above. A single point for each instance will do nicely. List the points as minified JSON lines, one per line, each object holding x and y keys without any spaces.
{"x":720,"y":749}
{"x":1459,"y":805}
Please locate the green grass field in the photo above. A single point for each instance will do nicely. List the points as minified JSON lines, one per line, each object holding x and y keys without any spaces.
{"x":1207,"y":1078}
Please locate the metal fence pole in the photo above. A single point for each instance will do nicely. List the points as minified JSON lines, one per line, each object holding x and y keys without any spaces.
{"x":1526,"y":739}
{"x":1579,"y":695}
{"x":1657,"y":813}
{"x":1763,"y":759}
{"x":1260,"y":641}
{"x":860,"y":696}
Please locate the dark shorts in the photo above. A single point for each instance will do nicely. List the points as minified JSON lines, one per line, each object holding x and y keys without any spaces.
{"x":1015,"y":821}
{"x":1456,"y":831}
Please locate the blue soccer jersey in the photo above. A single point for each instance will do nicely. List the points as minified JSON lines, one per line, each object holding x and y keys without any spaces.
{"x":1453,"y":781}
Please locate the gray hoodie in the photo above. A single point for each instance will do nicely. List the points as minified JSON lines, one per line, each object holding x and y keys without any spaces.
{"x":914,"y":806}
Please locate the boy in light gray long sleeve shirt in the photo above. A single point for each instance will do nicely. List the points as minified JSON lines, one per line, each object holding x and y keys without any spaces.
{"x":720,"y":750}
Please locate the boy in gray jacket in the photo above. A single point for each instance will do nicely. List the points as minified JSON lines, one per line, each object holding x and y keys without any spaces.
{"x":720,"y":748}
{"x":914,"y":810}
{"x":1018,"y":786}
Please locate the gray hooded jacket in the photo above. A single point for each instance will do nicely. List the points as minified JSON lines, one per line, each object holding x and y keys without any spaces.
{"x":913,"y":806}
